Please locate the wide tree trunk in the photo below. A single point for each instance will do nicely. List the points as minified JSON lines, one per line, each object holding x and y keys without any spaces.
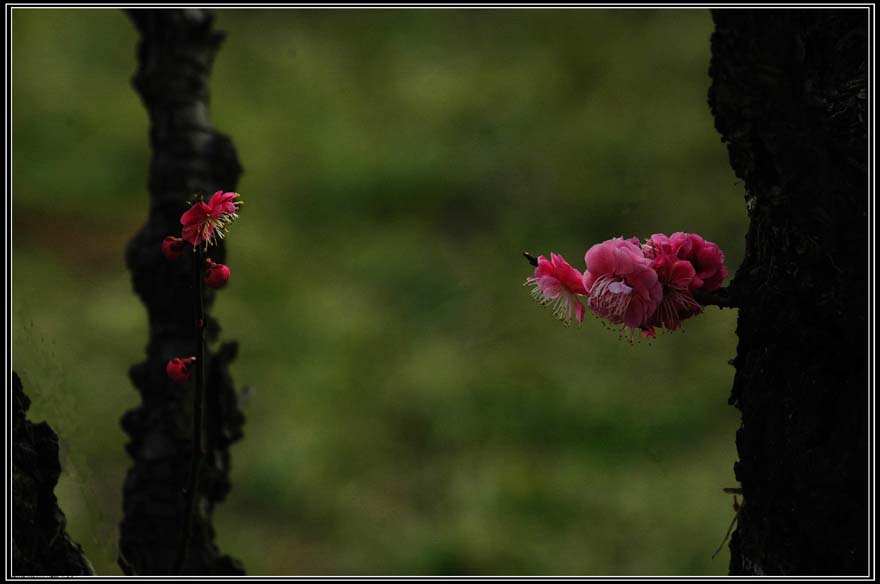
{"x":789,"y":96}
{"x":40,"y":544}
{"x":175,"y":55}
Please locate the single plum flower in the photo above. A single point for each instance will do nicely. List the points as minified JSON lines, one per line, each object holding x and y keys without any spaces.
{"x":705,"y":256}
{"x":216,"y":275}
{"x":205,"y":222}
{"x":556,"y":282}
{"x":178,"y":369}
{"x":676,"y":275}
{"x":622,"y":285}
{"x":173,"y":247}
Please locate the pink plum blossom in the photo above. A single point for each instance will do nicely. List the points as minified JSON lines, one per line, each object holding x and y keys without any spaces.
{"x":622,"y":285}
{"x":204,"y":222}
{"x":707,"y":259}
{"x":638,"y":286}
{"x":705,"y":256}
{"x":556,"y":282}
{"x":675,"y":276}
{"x":659,"y":244}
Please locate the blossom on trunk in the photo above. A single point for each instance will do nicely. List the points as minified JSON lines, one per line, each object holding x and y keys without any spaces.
{"x":675,"y":276}
{"x":205,"y":222}
{"x":173,"y":247}
{"x":555,"y":282}
{"x":706,"y":257}
{"x":178,"y":369}
{"x":622,"y":286}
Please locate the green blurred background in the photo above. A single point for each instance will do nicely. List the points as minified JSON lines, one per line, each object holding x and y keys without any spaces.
{"x":414,"y":411}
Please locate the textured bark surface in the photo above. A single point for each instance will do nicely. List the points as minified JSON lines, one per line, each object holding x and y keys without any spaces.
{"x":175,"y":55}
{"x":40,"y":544}
{"x":789,"y":96}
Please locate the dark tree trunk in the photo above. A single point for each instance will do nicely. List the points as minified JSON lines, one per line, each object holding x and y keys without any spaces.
{"x":40,"y":544}
{"x":175,"y":55}
{"x":789,"y":96}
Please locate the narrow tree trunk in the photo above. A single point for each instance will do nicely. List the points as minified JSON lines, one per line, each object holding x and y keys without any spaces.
{"x":789,"y":96}
{"x":175,"y":55}
{"x":40,"y":544}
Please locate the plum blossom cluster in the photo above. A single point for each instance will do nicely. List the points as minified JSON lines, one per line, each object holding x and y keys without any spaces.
{"x":202,"y":225}
{"x":640,"y":286}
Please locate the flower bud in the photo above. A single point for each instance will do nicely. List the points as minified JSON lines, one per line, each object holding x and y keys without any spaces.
{"x":173,"y":247}
{"x":178,"y":369}
{"x":216,"y":275}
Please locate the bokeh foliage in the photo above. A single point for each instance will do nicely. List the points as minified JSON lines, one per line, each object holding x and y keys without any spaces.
{"x":413,"y":410}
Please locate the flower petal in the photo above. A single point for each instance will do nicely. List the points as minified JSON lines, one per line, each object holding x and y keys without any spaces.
{"x":195,"y":214}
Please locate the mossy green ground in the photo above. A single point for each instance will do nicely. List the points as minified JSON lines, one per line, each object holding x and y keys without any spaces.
{"x":414,"y":412}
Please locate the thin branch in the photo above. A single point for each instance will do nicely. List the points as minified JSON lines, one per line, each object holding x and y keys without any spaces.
{"x":198,"y":423}
{"x":722,"y":298}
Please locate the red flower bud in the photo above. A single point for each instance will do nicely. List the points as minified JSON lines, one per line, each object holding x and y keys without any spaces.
{"x":178,"y":369}
{"x":216,"y":275}
{"x":173,"y":247}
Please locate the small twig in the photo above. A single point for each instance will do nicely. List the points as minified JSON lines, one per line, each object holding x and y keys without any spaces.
{"x":198,"y":435}
{"x":726,"y":536}
{"x":737,"y":508}
{"x":125,"y":565}
{"x":722,"y":298}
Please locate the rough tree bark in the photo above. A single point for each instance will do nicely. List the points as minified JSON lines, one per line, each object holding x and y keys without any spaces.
{"x":175,"y":55}
{"x":789,"y":96}
{"x":40,"y":544}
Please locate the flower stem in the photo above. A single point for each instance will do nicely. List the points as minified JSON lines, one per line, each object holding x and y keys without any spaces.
{"x":198,"y":423}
